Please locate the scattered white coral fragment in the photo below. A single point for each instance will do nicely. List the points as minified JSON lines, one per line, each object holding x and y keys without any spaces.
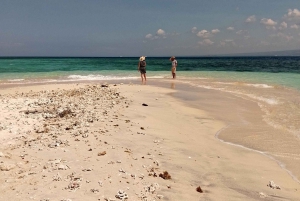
{"x":122,"y":195}
{"x":262,"y":195}
{"x":7,"y":167}
{"x":273,"y":185}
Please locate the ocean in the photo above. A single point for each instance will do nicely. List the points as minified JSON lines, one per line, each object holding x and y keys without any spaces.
{"x":271,"y":83}
{"x":283,"y":71}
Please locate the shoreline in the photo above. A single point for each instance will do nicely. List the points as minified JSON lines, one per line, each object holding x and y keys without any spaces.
{"x":280,"y":164}
{"x":246,"y":125}
{"x":176,"y":155}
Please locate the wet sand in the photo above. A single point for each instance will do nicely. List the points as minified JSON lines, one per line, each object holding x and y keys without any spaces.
{"x":97,"y":142}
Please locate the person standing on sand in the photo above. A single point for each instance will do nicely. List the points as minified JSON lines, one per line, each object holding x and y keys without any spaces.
{"x":174,"y":65}
{"x":142,"y":68}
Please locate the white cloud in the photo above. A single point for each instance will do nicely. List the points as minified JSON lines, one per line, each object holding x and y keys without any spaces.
{"x":240,"y":32}
{"x":293,"y":14}
{"x":252,"y":18}
{"x":230,"y":28}
{"x":194,"y":29}
{"x":160,"y":32}
{"x":214,"y":31}
{"x":283,"y":36}
{"x":229,"y":42}
{"x":294,"y":26}
{"x":282,"y":26}
{"x":206,"y":42}
{"x":149,"y":36}
{"x":204,"y":34}
{"x":268,"y":22}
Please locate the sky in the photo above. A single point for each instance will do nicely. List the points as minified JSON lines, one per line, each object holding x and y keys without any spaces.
{"x":97,"y":28}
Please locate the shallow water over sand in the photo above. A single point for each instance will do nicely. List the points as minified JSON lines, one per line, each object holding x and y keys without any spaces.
{"x":261,"y":117}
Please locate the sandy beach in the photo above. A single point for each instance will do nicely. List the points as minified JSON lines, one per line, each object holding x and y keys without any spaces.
{"x":94,"y":141}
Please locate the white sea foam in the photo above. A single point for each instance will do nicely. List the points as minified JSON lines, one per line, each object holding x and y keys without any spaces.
{"x":260,"y":85}
{"x":270,"y":101}
{"x":251,"y":85}
{"x":157,"y":77}
{"x":99,"y":77}
{"x":227,"y":83}
{"x":16,"y":80}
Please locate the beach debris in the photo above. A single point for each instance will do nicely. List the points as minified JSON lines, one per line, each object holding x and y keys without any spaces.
{"x":64,"y":112}
{"x":109,"y":199}
{"x":102,"y":153}
{"x":7,"y":167}
{"x":262,"y":195}
{"x":128,"y":150}
{"x":84,"y":135}
{"x":59,"y":121}
{"x":87,"y":169}
{"x":63,"y":167}
{"x":165,"y":175}
{"x":151,"y":188}
{"x":141,"y":176}
{"x":144,"y":104}
{"x":122,"y":195}
{"x":74,"y":182}
{"x":94,"y":190}
{"x":73,"y":185}
{"x":156,"y":162}
{"x":152,"y":172}
{"x":57,"y":177}
{"x":273,"y":185}
{"x":121,"y":170}
{"x":199,"y":189}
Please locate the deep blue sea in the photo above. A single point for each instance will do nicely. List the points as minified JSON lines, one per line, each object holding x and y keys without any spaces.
{"x":283,"y":71}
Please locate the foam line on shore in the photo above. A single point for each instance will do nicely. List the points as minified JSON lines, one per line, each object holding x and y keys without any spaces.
{"x":282,"y":165}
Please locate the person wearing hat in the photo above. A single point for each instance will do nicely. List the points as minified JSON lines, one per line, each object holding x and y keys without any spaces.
{"x":142,"y":68}
{"x":174,"y":65}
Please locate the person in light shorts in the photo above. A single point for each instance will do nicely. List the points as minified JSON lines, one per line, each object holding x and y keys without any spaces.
{"x":174,"y":66}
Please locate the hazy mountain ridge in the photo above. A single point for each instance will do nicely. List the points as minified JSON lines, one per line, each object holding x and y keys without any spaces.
{"x":272,"y":53}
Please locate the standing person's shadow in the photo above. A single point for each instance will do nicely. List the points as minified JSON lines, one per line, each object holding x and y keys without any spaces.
{"x":172,"y":85}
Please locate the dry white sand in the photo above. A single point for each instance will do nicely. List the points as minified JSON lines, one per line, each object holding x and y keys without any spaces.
{"x":92,"y":142}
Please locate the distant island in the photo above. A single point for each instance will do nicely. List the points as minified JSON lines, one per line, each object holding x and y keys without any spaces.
{"x":272,"y":53}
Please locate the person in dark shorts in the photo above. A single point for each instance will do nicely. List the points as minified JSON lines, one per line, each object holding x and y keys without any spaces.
{"x":142,"y":68}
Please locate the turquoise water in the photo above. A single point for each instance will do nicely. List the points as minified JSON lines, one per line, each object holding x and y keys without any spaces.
{"x":273,"y":83}
{"x":283,"y":71}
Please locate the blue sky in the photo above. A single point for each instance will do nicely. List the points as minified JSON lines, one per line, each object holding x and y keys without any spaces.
{"x":151,"y":28}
